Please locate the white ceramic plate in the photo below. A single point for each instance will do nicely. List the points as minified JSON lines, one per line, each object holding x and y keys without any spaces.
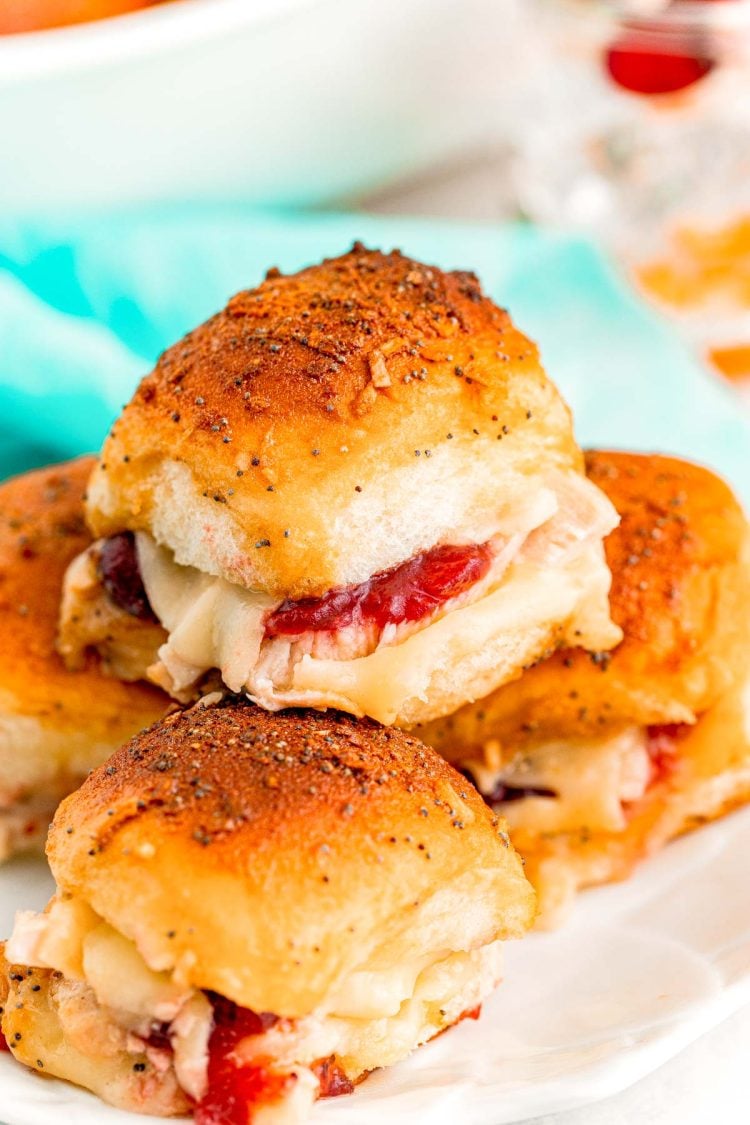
{"x":640,"y":971}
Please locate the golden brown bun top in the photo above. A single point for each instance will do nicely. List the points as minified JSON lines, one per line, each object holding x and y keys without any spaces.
{"x":305,"y":347}
{"x":268,"y":853}
{"x":42,"y":529}
{"x":293,"y":405}
{"x":680,"y":593}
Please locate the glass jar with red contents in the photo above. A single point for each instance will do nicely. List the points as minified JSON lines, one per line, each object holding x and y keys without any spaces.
{"x":634,"y":127}
{"x":634,"y":111}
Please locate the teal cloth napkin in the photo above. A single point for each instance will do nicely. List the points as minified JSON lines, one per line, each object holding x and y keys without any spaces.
{"x":85,"y":311}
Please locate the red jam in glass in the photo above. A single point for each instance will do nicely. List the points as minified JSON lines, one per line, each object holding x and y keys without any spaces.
{"x":408,"y":592}
{"x":636,"y":61}
{"x":646,"y":71}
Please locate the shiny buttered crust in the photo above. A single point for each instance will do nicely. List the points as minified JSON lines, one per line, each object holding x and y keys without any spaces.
{"x":267,"y":856}
{"x":680,"y":562}
{"x":711,"y":777}
{"x":55,"y":725}
{"x":331,"y":424}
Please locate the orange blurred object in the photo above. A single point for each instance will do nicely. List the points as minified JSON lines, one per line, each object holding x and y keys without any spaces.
{"x":37,"y":15}
{"x":707,"y":272}
{"x":734,"y":362}
{"x":702,"y":265}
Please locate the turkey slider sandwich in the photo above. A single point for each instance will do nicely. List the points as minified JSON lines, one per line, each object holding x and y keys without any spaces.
{"x":254,"y":910}
{"x":598,"y":760}
{"x":55,"y":725}
{"x":354,"y":487}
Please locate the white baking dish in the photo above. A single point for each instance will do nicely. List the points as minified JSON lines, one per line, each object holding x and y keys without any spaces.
{"x":281,"y":101}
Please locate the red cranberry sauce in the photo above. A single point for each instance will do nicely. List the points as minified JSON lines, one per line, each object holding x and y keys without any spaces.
{"x":662,"y":747}
{"x":408,"y":592}
{"x":235,"y":1086}
{"x":332,"y":1079}
{"x":121,"y":576}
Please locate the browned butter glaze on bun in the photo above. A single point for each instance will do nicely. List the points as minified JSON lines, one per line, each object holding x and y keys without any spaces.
{"x":679,"y":563}
{"x":598,"y":759}
{"x":352,"y":459}
{"x":55,"y":725}
{"x":289,"y":386}
{"x":336,"y":876}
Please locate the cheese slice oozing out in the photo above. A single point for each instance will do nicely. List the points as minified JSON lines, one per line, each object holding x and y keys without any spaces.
{"x":374,"y":1018}
{"x":547,"y":569}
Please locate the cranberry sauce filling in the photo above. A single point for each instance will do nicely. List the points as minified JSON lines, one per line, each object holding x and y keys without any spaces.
{"x":121,"y":576}
{"x":235,"y":1087}
{"x":469,"y":1014}
{"x":407,"y":592}
{"x":332,"y":1079}
{"x":158,"y":1037}
{"x":501,"y":792}
{"x":662,"y":745}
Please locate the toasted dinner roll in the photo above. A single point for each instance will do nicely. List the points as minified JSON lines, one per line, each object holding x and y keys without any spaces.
{"x":338,"y":879}
{"x":354,"y":487}
{"x":701,"y":772}
{"x":55,"y":725}
{"x":597,"y":759}
{"x":311,"y":384}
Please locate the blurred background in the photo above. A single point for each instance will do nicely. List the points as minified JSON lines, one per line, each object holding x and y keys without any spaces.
{"x":625,"y":123}
{"x":590,"y":159}
{"x":626,"y":120}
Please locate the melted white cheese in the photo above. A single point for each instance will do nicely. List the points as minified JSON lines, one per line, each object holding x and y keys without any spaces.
{"x":381,"y":684}
{"x":591,"y":777}
{"x":213,"y":624}
{"x":370,"y":994}
{"x":122,"y":980}
{"x":294,"y":1107}
{"x":377,"y":1016}
{"x":189,"y":1035}
{"x":54,"y":939}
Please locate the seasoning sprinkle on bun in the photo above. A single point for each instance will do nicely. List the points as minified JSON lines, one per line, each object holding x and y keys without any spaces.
{"x":354,"y":487}
{"x":597,"y":760}
{"x":260,"y":907}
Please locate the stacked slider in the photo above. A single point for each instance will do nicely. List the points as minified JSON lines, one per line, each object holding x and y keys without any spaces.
{"x":354,"y":487}
{"x":55,"y":725}
{"x":355,"y":490}
{"x":254,"y":910}
{"x":599,"y":759}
